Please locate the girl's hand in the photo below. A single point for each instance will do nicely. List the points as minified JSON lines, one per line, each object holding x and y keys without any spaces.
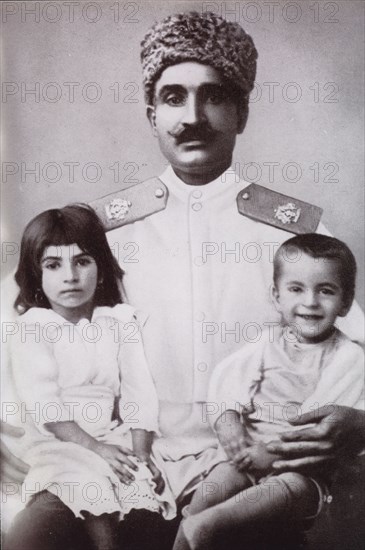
{"x":117,"y":458}
{"x":156,"y":476}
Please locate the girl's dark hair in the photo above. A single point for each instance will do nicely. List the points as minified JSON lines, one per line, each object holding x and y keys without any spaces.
{"x":324,"y":247}
{"x":73,"y":224}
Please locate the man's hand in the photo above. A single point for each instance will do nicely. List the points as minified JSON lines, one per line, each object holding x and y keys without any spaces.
{"x":339,"y":430}
{"x":117,"y":458}
{"x":13,"y":470}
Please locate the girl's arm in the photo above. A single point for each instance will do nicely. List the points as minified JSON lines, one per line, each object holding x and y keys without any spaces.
{"x":142,"y":445}
{"x":115,"y":455}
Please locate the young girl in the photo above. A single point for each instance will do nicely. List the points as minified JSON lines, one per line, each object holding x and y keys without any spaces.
{"x":77,"y":353}
{"x":299,"y":366}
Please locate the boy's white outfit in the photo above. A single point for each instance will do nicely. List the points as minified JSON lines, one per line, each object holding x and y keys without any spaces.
{"x":67,"y":372}
{"x":280,"y":378}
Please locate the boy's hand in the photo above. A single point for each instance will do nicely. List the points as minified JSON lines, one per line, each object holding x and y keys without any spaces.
{"x":237,"y":452}
{"x":261,"y":459}
{"x":117,"y":458}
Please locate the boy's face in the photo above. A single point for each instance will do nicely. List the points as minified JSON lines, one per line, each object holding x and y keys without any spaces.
{"x":309,"y":296}
{"x":195,"y":119}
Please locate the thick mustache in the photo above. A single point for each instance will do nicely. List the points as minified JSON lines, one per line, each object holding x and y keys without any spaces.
{"x":200,"y":133}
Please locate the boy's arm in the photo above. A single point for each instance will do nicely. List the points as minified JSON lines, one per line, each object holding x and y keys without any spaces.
{"x":232,"y":436}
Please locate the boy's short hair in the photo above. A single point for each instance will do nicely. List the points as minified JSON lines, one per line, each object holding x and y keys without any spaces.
{"x":322,"y":246}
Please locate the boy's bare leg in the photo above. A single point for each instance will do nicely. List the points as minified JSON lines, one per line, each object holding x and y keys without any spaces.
{"x":221,"y":484}
{"x":288,"y":493}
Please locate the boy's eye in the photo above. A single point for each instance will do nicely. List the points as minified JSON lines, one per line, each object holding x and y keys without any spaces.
{"x":327,"y":291}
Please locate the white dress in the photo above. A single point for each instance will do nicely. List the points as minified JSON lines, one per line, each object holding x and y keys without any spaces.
{"x":65,"y":372}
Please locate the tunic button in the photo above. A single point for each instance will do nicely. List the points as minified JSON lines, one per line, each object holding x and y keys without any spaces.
{"x":198,"y":260}
{"x":197,"y":206}
{"x":245,"y":196}
{"x":159,"y":193}
{"x":197,"y":194}
{"x":202,"y":367}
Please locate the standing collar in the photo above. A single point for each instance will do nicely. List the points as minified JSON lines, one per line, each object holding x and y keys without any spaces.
{"x":181,"y":189}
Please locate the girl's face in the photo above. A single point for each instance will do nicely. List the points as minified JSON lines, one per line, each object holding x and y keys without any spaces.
{"x":69,"y":280}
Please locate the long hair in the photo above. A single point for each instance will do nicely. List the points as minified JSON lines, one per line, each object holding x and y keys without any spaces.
{"x":73,"y":224}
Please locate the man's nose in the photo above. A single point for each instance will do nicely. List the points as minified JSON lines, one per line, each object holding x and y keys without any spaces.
{"x":194,"y":110}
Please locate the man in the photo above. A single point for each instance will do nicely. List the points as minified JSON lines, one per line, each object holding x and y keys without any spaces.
{"x":203,"y":267}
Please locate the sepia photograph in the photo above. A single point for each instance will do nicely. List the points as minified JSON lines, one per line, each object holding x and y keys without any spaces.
{"x":182,"y":275}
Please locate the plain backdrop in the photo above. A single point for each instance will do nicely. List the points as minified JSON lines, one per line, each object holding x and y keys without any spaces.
{"x":73,"y":102}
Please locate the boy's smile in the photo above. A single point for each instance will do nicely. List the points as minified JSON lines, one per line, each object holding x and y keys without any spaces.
{"x":309,"y":296}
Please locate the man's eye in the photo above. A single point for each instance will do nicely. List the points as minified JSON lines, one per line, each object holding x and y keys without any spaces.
{"x":294,"y":289}
{"x":174,"y":100}
{"x":215,"y":98}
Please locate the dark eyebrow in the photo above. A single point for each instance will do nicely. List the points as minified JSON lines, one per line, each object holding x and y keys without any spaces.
{"x":294,"y":283}
{"x":171,"y":88}
{"x":77,"y":256}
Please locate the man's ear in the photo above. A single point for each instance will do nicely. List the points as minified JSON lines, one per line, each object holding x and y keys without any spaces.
{"x":275,"y":297}
{"x":151,"y":115}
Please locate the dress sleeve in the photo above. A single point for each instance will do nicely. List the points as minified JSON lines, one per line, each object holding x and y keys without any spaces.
{"x":139,"y":403}
{"x":35,"y":374}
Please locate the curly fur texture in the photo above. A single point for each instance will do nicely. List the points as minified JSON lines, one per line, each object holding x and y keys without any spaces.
{"x":205,"y":38}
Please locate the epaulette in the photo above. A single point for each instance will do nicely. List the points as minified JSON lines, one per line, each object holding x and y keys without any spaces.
{"x":131,"y":204}
{"x":267,"y":206}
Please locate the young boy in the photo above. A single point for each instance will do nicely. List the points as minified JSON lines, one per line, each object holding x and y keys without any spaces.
{"x":303,"y":364}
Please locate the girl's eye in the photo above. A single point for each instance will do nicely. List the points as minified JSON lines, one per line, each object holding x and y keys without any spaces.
{"x":52,"y":265}
{"x":84,"y":261}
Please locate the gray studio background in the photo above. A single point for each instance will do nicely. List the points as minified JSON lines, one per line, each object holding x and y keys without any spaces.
{"x":306,"y":115}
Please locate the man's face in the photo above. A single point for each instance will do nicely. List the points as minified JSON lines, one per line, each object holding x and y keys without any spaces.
{"x":196,"y":121}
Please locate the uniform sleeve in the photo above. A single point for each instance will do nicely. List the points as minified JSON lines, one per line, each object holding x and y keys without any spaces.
{"x":139,"y":403}
{"x":234,"y":381}
{"x":35,"y":374}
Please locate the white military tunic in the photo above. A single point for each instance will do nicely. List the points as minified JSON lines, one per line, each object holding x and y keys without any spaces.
{"x":202,"y":272}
